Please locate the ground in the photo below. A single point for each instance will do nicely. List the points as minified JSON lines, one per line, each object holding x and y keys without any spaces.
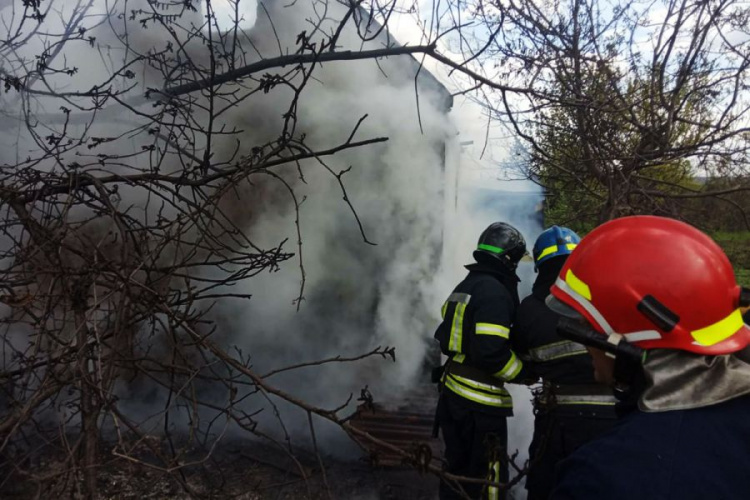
{"x":250,"y":471}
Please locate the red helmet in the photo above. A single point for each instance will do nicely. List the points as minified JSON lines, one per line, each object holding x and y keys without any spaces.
{"x":658,"y":282}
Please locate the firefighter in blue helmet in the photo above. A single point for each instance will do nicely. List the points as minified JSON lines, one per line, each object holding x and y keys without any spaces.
{"x":474,"y":334}
{"x":570,"y":408}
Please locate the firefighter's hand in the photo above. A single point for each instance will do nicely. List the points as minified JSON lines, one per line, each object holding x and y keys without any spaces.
{"x":525,"y":377}
{"x":437,"y":374}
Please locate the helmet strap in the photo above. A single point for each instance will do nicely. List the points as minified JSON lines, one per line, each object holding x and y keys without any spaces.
{"x":627,"y":372}
{"x":614,"y":344}
{"x":628,"y":358}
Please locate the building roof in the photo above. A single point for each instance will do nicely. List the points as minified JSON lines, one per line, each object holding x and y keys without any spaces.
{"x":425,"y":77}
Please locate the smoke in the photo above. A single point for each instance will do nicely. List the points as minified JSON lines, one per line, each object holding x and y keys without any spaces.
{"x":357,"y":296}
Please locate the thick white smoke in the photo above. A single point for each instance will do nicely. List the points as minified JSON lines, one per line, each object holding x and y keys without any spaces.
{"x":357,"y":296}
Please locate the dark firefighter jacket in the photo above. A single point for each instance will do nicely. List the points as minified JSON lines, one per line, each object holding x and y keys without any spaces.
{"x":571,"y":409}
{"x":474,"y":334}
{"x":534,"y":336}
{"x":695,"y":454}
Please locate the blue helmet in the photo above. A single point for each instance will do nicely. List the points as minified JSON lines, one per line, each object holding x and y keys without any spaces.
{"x":554,"y":242}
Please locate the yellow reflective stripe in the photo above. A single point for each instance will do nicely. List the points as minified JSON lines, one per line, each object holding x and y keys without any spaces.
{"x":577,"y":285}
{"x":459,"y":358}
{"x":584,"y":402}
{"x":585,"y":399}
{"x":443,"y":310}
{"x":492,"y":329}
{"x":721,"y":330}
{"x":553,"y":249}
{"x":511,"y":368}
{"x":493,"y":492}
{"x":479,"y":397}
{"x":546,"y":252}
{"x":456,"y":340}
{"x":496,"y":389}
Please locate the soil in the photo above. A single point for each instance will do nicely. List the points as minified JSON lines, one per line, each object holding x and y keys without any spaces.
{"x":252,"y":472}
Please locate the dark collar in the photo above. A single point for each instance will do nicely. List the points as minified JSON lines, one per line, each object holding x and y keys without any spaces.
{"x":498,"y":270}
{"x":548,"y":273}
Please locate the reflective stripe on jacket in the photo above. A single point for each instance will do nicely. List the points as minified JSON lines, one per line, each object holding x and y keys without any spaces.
{"x":475,"y":333}
{"x":546,"y":354}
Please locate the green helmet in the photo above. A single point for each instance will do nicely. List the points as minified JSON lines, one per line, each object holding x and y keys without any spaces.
{"x":501,"y":242}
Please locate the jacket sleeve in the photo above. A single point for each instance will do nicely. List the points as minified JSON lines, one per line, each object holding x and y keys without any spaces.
{"x":442,"y":333}
{"x":520,"y":333}
{"x":490,"y":344}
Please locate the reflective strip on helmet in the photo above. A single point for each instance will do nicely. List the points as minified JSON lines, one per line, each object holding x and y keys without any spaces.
{"x":576,"y":284}
{"x":588,"y":306}
{"x":603,"y":324}
{"x":496,"y":400}
{"x":456,"y":339}
{"x":591,"y":399}
{"x":554,"y":249}
{"x":546,"y":252}
{"x":490,"y":248}
{"x":721,"y":330}
{"x":511,"y":368}
{"x":556,"y":350}
{"x":642,"y":335}
{"x":493,"y":492}
{"x":492,"y":329}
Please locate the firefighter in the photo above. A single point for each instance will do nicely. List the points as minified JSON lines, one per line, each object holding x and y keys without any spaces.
{"x":658,"y":306}
{"x":474,"y":334}
{"x":570,"y":408}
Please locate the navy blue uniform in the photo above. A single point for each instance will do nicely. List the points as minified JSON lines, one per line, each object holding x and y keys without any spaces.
{"x":572,"y":409}
{"x":697,"y":454}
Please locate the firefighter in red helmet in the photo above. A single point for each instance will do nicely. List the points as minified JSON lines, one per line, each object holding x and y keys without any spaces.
{"x":657,"y":304}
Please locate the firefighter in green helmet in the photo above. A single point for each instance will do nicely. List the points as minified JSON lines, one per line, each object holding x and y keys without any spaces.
{"x":474,"y":335}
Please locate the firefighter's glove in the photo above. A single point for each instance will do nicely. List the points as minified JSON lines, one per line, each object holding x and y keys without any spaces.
{"x":437,"y":374}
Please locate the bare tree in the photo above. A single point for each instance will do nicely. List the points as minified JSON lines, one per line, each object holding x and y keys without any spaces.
{"x":624,"y":103}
